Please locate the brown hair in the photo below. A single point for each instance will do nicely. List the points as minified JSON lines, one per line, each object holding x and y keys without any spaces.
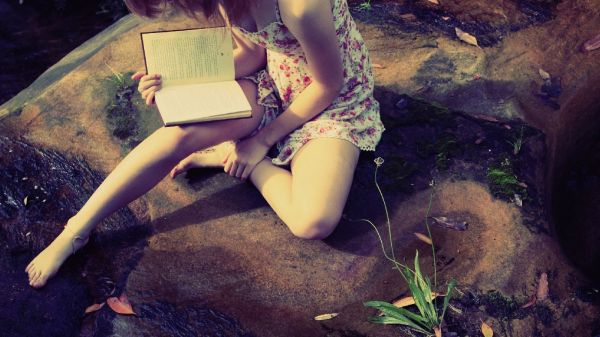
{"x":209,"y":8}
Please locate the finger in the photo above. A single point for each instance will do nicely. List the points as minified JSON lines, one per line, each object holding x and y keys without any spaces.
{"x":247,"y":171}
{"x":228,"y":163}
{"x":150,"y":98}
{"x":147,"y":92}
{"x":150,"y":77}
{"x":240,"y":170}
{"x":226,"y":158}
{"x":138,"y":75}
{"x":233,"y":168}
{"x":148,"y":84}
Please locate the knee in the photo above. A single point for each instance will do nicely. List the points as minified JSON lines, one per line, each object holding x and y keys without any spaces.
{"x":315,"y":226}
{"x":179,"y":137}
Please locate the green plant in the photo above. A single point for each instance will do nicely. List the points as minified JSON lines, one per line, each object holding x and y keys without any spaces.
{"x":428,"y":318}
{"x":365,"y":5}
{"x":502,"y":179}
{"x":517,"y":143}
{"x":118,"y":78}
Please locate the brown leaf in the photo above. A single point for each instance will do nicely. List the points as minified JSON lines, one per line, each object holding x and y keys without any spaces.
{"x":94,"y":307}
{"x":424,"y":238}
{"x":450,"y":223}
{"x":466,"y":37}
{"x":120,"y":305}
{"x":437,"y":331}
{"x":437,"y":2}
{"x":542,"y":290}
{"x":529,"y":303}
{"x":377,"y":66}
{"x":592,"y":44}
{"x":486,"y":330}
{"x":406,"y":301}
{"x":324,"y":317}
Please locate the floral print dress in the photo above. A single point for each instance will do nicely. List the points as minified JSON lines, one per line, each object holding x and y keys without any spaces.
{"x":352,"y":116}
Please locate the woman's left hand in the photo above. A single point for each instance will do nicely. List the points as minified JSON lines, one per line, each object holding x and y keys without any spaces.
{"x":244,"y":157}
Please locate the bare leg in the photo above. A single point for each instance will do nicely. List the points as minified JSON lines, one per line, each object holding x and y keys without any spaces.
{"x":310,"y":199}
{"x":144,"y":167}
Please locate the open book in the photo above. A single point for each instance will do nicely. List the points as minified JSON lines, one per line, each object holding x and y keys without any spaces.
{"x":198,"y":75}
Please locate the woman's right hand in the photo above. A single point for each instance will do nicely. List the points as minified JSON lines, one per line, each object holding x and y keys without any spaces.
{"x":149,"y":85}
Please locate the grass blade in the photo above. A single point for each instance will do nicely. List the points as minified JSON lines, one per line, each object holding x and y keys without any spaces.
{"x":451,"y":286}
{"x":390,"y":309}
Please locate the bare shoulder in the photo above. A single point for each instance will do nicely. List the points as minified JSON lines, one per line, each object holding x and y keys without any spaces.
{"x":306,"y":15}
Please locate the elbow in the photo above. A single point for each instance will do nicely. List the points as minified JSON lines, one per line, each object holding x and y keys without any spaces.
{"x":334,"y":87}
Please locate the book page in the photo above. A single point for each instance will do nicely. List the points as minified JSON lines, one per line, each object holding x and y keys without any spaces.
{"x":201,"y":101}
{"x":190,"y":56}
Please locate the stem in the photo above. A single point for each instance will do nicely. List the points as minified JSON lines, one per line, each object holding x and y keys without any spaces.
{"x":387,"y":215}
{"x":431,"y":238}
{"x":394,"y":261}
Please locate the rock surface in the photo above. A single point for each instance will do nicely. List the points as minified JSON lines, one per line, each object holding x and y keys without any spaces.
{"x":219,"y":261}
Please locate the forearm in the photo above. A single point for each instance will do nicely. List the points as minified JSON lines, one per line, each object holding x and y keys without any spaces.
{"x":312,"y":101}
{"x":248,"y":62}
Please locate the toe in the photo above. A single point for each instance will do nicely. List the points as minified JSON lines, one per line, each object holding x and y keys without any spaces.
{"x":33,"y":276}
{"x":183,"y":166}
{"x":39,"y":281}
{"x":29,"y":266}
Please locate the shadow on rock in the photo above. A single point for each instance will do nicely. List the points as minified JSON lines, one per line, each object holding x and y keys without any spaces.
{"x":39,"y":190}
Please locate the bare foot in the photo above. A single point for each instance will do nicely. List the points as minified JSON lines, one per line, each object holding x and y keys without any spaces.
{"x":210,"y":157}
{"x":47,"y":263}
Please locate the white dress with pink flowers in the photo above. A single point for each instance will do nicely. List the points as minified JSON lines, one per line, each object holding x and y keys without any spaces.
{"x":353,"y":115}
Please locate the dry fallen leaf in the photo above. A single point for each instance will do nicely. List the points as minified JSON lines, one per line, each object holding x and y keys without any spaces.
{"x":437,"y":331}
{"x":406,"y":301}
{"x":544,"y":74}
{"x":434,"y":2}
{"x":120,"y":305}
{"x":324,"y":317}
{"x":518,"y":200}
{"x":94,"y":307}
{"x":592,"y":44}
{"x":450,"y":223}
{"x":486,"y":117}
{"x":424,"y":238}
{"x":377,"y":66}
{"x":542,"y":291}
{"x":25,"y":201}
{"x":486,"y":330}
{"x":529,"y":303}
{"x":466,"y":37}
{"x":408,"y":17}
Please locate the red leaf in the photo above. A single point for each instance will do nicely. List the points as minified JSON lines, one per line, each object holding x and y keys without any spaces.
{"x":592,"y":44}
{"x":120,"y":305}
{"x":94,"y":307}
{"x":531,"y":302}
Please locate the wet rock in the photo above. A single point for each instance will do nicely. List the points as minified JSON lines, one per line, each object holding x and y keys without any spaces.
{"x":54,"y":187}
{"x":219,"y":254}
